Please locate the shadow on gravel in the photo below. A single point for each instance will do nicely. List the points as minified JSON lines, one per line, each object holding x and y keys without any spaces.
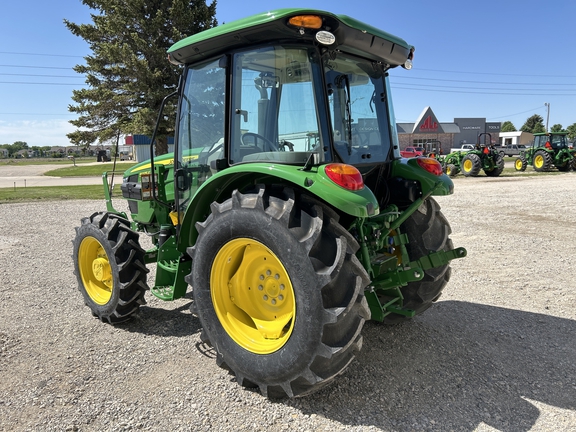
{"x":459,"y":365}
{"x":177,"y":322}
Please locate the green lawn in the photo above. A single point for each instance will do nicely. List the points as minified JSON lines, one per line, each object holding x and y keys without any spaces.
{"x":50,"y":193}
{"x":46,"y":161}
{"x":88,"y":170}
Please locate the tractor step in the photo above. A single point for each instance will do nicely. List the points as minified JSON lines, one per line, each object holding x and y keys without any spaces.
{"x":163,"y":292}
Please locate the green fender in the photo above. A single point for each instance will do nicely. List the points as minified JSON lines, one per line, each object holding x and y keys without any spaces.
{"x":220,"y":186}
{"x":431,"y":184}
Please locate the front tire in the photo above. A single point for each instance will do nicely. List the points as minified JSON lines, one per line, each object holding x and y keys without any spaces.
{"x":279,"y":291}
{"x":452,"y":170}
{"x":428,"y":231}
{"x":109,"y":267}
{"x":520,"y":163}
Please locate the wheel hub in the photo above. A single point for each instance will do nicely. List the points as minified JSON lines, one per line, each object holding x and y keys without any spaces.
{"x":252,"y":295}
{"x":101,"y":269}
{"x":95,"y":270}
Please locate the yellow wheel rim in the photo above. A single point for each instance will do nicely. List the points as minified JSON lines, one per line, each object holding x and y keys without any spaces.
{"x":467,"y":165}
{"x":253,"y":296}
{"x":518,"y":164}
{"x":449,"y":171}
{"x":539,"y":161}
{"x":95,"y":270}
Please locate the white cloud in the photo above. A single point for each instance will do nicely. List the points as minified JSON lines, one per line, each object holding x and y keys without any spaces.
{"x":36,"y":132}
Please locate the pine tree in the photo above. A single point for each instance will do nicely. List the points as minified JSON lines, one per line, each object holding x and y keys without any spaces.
{"x":534,"y":124}
{"x":508,"y":126}
{"x":127,"y":73}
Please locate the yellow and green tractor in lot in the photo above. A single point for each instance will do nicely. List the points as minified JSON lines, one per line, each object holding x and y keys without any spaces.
{"x":548,"y":150}
{"x":285,"y":208}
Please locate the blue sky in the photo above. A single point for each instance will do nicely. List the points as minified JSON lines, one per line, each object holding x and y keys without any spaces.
{"x":499,"y":60}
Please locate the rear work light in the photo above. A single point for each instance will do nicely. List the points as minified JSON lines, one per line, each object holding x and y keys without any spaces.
{"x":344,"y":175}
{"x":430,"y":165}
{"x":306,"y":21}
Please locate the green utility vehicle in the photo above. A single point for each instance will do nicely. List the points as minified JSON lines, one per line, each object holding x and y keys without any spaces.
{"x":285,"y":207}
{"x":548,"y":150}
{"x":482,"y":157}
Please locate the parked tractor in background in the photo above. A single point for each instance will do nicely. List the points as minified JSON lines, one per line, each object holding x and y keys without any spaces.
{"x":548,"y":150}
{"x":450,"y":162}
{"x":483,"y":157}
{"x":286,"y":205}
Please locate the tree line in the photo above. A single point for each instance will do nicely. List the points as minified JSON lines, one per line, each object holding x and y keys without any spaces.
{"x":535,"y":124}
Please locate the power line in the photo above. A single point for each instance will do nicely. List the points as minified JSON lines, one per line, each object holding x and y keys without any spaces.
{"x":40,"y":75}
{"x":502,"y":74}
{"x":40,"y":54}
{"x":40,"y":83}
{"x":484,"y":88}
{"x":486,"y":93}
{"x":483,"y":82}
{"x":36,"y":67}
{"x":512,"y":115}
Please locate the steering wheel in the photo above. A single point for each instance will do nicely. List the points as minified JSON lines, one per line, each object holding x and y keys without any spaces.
{"x":267,"y":145}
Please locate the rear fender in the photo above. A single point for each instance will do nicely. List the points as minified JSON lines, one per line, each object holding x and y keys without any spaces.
{"x":431,"y":184}
{"x":220,"y":186}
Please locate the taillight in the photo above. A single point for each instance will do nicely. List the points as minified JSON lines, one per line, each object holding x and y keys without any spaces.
{"x":430,"y":165}
{"x":344,"y":175}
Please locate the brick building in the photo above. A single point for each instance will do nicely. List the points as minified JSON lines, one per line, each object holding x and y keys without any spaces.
{"x":428,"y":130}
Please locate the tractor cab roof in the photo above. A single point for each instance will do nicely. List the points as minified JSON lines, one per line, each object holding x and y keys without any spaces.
{"x":285,"y":25}
{"x":550,"y":133}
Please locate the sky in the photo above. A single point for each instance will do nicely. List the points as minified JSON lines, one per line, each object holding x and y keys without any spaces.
{"x":497,"y":59}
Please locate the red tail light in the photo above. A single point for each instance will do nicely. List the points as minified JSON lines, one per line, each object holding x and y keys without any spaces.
{"x":344,"y":175}
{"x":430,"y":165}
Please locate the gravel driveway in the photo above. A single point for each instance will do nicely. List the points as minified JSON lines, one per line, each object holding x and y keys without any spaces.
{"x":497,"y":353}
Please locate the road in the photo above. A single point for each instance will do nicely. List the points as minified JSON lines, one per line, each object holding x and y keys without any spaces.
{"x":32,"y":175}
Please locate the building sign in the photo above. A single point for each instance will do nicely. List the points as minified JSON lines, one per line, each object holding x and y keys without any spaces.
{"x":427,"y":123}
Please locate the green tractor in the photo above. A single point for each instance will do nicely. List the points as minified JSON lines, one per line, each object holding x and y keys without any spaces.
{"x":548,"y":150}
{"x":483,"y":157}
{"x":452,"y":162}
{"x":285,"y":206}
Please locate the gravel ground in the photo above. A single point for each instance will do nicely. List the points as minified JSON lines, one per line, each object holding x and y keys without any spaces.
{"x":496,"y":353}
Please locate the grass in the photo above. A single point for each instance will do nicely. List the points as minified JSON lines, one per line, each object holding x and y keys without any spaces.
{"x":87,"y":170}
{"x":45,"y":161}
{"x":50,"y":193}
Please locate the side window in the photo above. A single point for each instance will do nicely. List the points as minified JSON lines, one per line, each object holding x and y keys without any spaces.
{"x":201,"y":121}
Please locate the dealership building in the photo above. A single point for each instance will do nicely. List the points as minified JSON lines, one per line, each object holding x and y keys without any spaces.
{"x":427,"y":129}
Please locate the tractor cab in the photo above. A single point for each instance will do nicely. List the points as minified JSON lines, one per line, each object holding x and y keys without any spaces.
{"x":293,"y":103}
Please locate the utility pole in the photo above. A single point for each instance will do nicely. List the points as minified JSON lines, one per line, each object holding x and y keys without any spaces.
{"x":547,"y":105}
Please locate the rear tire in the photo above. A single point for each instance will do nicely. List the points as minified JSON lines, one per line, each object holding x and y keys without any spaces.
{"x":542,"y":161}
{"x":428,"y":231}
{"x":471,"y":165}
{"x":287,"y":341}
{"x":499,"y":162}
{"x":109,"y":266}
